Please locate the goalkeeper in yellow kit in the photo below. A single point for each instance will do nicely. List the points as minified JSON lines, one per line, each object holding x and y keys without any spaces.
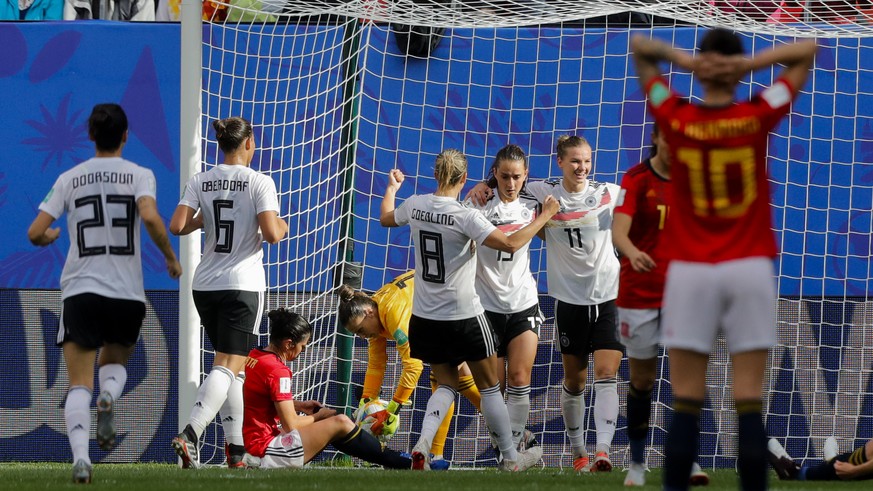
{"x":383,"y":317}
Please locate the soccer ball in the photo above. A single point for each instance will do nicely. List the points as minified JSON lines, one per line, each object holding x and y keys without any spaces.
{"x":365,"y":419}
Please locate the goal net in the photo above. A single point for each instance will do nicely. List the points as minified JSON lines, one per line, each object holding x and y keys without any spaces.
{"x":340,"y":92}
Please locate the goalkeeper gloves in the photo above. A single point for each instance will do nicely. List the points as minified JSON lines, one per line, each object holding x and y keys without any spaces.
{"x":387,"y":421}
{"x":358,"y":414}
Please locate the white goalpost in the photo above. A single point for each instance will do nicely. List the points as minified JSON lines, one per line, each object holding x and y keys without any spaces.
{"x":337,"y":101}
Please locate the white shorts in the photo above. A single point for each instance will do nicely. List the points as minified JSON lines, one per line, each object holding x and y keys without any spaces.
{"x":640,"y":332}
{"x":286,"y":450}
{"x":736,"y":298}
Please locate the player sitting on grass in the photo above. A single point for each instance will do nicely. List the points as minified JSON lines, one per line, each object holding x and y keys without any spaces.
{"x":268,"y":399}
{"x":855,"y":465}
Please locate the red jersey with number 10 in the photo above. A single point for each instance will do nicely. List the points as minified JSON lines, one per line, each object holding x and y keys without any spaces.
{"x":721,"y":194}
{"x":644,"y":197}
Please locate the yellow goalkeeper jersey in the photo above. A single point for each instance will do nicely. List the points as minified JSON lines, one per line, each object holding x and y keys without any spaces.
{"x":395,"y":309}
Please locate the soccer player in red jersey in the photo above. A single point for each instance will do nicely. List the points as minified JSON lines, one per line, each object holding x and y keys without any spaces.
{"x":268,"y":398}
{"x":639,"y":218}
{"x":720,"y":276}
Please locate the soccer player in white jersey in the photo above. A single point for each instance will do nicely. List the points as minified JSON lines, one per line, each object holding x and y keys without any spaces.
{"x":238,"y":209}
{"x":583,"y":278}
{"x":105,"y":198}
{"x":448,"y":325}
{"x":506,"y":287}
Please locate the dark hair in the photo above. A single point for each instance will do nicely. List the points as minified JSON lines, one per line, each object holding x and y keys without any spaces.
{"x":509,"y":152}
{"x":106,"y":126}
{"x":567,"y":141}
{"x":285,"y":324}
{"x":231,"y":132}
{"x":654,"y":149}
{"x":722,"y":41}
{"x":352,"y":304}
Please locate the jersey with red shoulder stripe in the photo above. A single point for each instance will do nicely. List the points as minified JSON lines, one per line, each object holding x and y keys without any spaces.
{"x":645,"y":198}
{"x":721,"y":201}
{"x":503,"y":280}
{"x":580,"y":258}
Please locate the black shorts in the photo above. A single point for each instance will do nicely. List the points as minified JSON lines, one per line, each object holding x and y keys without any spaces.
{"x":508,"y":326}
{"x":584,"y":329}
{"x":231,"y":319}
{"x":92,"y":320}
{"x":451,"y":342}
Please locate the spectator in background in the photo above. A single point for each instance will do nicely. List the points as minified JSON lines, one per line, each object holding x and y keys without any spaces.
{"x":32,"y":10}
{"x":135,"y":10}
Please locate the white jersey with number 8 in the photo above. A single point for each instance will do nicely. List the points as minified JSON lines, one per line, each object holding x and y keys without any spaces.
{"x":443,"y":231}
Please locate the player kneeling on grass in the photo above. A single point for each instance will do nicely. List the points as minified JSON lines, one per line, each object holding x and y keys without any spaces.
{"x":855,"y":465}
{"x":268,"y":398}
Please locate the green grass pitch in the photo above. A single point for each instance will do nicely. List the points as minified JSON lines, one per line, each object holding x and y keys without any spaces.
{"x":148,"y":477}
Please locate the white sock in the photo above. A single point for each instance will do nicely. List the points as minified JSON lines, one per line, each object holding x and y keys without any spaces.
{"x":112,"y":378}
{"x":605,"y":412}
{"x":437,"y":407}
{"x":77,"y":414}
{"x":210,"y":397}
{"x":497,"y":420}
{"x":232,"y":412}
{"x":518,"y":406}
{"x":573,"y":409}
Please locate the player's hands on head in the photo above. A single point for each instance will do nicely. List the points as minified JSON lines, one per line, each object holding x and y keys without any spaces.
{"x":479,"y":194}
{"x":715,"y":67}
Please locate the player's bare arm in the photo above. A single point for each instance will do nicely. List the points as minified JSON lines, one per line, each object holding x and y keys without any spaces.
{"x":639,"y":260}
{"x":649,"y":52}
{"x":154,"y":224}
{"x":185,"y":220}
{"x":40,"y":232}
{"x":272,"y":226}
{"x":386,"y":211}
{"x":289,"y":418}
{"x":479,"y":194}
{"x":797,"y":58}
{"x":308,"y":407}
{"x":500,"y":241}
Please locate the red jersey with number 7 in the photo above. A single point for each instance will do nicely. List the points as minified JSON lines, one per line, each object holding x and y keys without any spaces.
{"x":721,"y":194}
{"x":644,"y":196}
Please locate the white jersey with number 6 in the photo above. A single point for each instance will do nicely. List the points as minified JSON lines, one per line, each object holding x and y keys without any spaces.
{"x":230,"y":197}
{"x":99,"y":197}
{"x":580,"y":259}
{"x":443,"y":231}
{"x":504,"y":281}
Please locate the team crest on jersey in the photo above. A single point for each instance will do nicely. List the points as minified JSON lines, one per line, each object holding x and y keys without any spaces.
{"x":591,"y":201}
